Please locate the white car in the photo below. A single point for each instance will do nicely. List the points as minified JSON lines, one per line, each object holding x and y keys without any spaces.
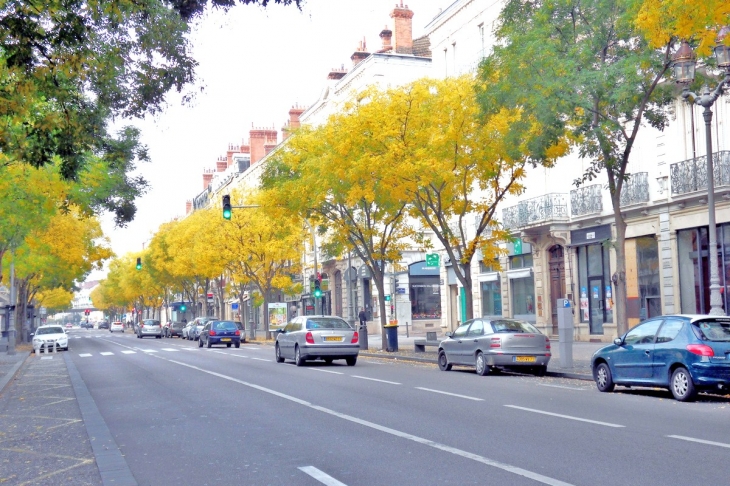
{"x":50,"y":335}
{"x":116,"y":326}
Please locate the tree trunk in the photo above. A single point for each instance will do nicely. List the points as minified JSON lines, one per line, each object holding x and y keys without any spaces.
{"x":619,"y":278}
{"x":380,"y":285}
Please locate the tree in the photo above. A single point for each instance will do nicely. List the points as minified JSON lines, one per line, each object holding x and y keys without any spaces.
{"x":340,"y":176}
{"x":54,"y":300}
{"x":596,"y":69}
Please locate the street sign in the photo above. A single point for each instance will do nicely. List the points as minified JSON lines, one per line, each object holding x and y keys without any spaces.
{"x":210,"y":297}
{"x":400,"y":290}
{"x":432,"y":259}
{"x":234,"y":306}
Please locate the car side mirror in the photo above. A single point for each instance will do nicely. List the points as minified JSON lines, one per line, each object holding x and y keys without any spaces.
{"x":449,"y":334}
{"x":280,"y":331}
{"x":618,"y":341}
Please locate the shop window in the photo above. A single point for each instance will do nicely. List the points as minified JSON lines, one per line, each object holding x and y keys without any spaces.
{"x":491,"y":298}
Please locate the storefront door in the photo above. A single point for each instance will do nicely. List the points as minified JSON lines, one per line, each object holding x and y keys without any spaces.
{"x":557,"y":282}
{"x":595,"y":302}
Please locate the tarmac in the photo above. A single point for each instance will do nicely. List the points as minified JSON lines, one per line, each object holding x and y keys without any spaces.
{"x":51,"y":431}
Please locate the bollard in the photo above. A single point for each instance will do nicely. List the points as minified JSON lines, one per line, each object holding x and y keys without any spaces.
{"x":37,"y":348}
{"x":53,"y":347}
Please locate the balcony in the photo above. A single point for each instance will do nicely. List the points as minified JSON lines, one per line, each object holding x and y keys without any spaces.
{"x":586,"y":200}
{"x":539,"y":210}
{"x":691,"y":175}
{"x":635,"y":189}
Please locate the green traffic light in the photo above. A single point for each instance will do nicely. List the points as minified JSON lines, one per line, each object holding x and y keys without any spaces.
{"x":317,"y":293}
{"x":227,"y":207}
{"x":226,"y":214}
{"x":139,"y":264}
{"x":182,"y":308}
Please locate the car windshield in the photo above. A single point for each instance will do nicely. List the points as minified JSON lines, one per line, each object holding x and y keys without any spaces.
{"x":505,"y":325}
{"x":178,"y":325}
{"x":327,"y":323}
{"x":714,"y":329}
{"x":151,"y":323}
{"x":225,"y":326}
{"x":49,"y":330}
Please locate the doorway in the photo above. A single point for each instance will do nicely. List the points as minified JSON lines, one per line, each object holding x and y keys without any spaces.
{"x":595,"y":305}
{"x":556,"y":264}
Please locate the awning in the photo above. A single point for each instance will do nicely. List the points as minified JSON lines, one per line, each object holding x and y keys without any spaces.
{"x":519,"y":273}
{"x":488,"y":277}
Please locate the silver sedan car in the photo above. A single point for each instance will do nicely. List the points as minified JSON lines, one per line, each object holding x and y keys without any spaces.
{"x":489,"y":344}
{"x":317,"y":337}
{"x":149,"y":327}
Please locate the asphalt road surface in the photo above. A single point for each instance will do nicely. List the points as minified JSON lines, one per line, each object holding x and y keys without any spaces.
{"x":187,"y":415}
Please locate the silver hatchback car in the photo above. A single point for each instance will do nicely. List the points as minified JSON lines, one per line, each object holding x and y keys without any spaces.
{"x":317,"y":337}
{"x":149,"y":327}
{"x":487,"y":344}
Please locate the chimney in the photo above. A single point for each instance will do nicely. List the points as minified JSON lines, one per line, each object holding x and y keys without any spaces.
{"x":207,"y":177}
{"x":336,"y":73}
{"x":386,"y":34}
{"x":232,"y":149}
{"x":403,"y":26}
{"x":188,"y":207}
{"x":259,"y":138}
{"x":293,"y":122}
{"x":221,"y":164}
{"x":360,"y":54}
{"x":269,"y":147}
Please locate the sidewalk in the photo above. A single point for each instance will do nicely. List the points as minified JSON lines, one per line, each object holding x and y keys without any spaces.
{"x":580,"y":369}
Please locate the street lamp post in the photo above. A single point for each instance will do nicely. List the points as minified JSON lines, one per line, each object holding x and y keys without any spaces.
{"x":684,"y":69}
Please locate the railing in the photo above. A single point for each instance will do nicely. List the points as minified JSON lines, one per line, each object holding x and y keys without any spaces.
{"x":201,"y":200}
{"x":635,"y":189}
{"x":586,"y":200}
{"x":550,"y":207}
{"x":691,"y":175}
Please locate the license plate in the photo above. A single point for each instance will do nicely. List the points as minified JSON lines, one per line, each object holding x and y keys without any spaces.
{"x":225,"y":339}
{"x":333,"y":338}
{"x":524,"y":359}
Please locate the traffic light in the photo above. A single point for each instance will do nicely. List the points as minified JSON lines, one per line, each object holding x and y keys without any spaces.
{"x":87,"y":312}
{"x":226,"y":207}
{"x":182,"y":308}
{"x":317,"y":289}
{"x":139,"y":263}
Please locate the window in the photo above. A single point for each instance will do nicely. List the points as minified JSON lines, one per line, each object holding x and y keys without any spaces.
{"x":327,"y":323}
{"x":476,"y":329}
{"x":508,"y":325}
{"x":669,"y":330}
{"x":490,"y":266}
{"x":715,"y":330}
{"x":461,"y":330}
{"x":520,"y":261}
{"x":491,"y":298}
{"x":643,"y":333}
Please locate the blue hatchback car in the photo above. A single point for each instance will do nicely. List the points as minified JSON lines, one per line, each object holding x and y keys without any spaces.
{"x":684,"y":353}
{"x":220,"y":332}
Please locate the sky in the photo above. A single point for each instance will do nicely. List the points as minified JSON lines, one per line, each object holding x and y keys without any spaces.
{"x":254,"y":65}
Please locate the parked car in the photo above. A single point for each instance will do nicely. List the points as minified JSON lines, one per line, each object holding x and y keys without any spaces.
{"x":197,"y":327}
{"x":186,"y":330}
{"x":488,"y":344}
{"x":149,"y":327}
{"x":220,"y":332}
{"x":684,"y":353}
{"x":103,"y":325}
{"x":51,"y":335}
{"x":241,"y":328}
{"x":116,"y":326}
{"x":174,"y":329}
{"x":317,"y":337}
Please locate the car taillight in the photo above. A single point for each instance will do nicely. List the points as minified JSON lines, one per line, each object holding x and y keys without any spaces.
{"x":355,"y":337}
{"x":310,"y":338}
{"x":211,"y":333}
{"x":496,"y":343}
{"x":547,"y":343}
{"x":700,"y":350}
{"x":238,"y":333}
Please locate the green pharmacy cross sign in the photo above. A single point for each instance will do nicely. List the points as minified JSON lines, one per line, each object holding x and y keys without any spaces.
{"x":432,"y":259}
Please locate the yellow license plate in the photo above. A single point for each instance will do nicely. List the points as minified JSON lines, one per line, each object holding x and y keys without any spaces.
{"x":225,"y":339}
{"x":524,"y":359}
{"x":333,"y":338}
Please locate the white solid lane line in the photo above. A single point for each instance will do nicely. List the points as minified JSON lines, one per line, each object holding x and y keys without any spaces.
{"x":321,"y":476}
{"x":562,"y":386}
{"x":700,"y":441}
{"x":569,"y":417}
{"x":403,"y":435}
{"x":375,"y":379}
{"x":323,"y":371}
{"x":170,"y":349}
{"x":450,"y":394}
{"x":261,"y":359}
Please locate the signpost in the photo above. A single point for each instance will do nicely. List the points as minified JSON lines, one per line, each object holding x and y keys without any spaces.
{"x":432,"y":259}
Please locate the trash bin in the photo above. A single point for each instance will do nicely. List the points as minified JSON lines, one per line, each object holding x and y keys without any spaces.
{"x":391,"y":334}
{"x":364,"y":337}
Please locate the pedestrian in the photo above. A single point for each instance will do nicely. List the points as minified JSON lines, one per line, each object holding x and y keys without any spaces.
{"x":363,"y":316}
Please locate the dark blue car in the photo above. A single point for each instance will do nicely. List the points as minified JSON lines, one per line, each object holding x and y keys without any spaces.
{"x":685,"y":354}
{"x":220,"y":332}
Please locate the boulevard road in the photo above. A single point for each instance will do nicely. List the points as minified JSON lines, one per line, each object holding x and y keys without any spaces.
{"x":187,"y":415}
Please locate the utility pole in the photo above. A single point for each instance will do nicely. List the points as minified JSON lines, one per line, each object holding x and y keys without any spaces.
{"x":13,"y":305}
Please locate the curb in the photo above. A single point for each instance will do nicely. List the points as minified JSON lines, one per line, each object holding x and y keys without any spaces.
{"x":11,"y":374}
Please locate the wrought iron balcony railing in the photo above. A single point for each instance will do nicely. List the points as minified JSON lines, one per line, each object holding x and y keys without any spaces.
{"x":543,"y":209}
{"x":691,"y":175}
{"x":636,"y":189}
{"x":586,"y":200}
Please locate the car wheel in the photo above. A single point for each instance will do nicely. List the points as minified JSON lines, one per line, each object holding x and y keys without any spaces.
{"x":681,"y":385}
{"x":238,"y":345}
{"x":200,"y":343}
{"x":351,"y":360}
{"x":444,"y":364}
{"x":603,"y":378}
{"x":139,"y":337}
{"x":482,"y":367}
{"x":277,"y":351}
{"x":228,"y":345}
{"x":207,"y":343}
{"x":298,"y":360}
{"x":328,"y":361}
{"x":539,"y":370}
{"x":159,"y":337}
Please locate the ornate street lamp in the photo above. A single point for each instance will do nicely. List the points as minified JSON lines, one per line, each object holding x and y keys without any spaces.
{"x":683,"y":63}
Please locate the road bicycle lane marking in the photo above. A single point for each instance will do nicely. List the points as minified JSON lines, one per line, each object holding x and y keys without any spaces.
{"x":397,"y":433}
{"x":321,"y":476}
{"x":699,"y":441}
{"x":450,"y":394}
{"x":569,"y":417}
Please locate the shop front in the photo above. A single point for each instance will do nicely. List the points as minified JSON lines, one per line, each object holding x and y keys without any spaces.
{"x":595,"y":292}
{"x":694,"y":268}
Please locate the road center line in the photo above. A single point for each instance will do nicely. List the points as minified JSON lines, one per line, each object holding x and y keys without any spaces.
{"x":701,"y":441}
{"x":323,"y":371}
{"x":261,"y":359}
{"x":375,"y":379}
{"x":404,"y":435}
{"x":451,"y":394}
{"x":321,"y":476}
{"x":562,"y":386}
{"x":569,"y":417}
